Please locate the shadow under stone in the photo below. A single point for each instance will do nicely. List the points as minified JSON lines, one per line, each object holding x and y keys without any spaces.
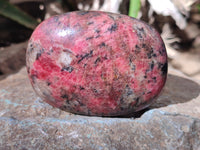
{"x":176,"y":90}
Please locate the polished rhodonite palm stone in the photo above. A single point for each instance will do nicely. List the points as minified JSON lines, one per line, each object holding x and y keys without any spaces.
{"x":96,"y":63}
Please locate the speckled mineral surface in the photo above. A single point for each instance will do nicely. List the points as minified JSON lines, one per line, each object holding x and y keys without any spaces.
{"x":96,"y":63}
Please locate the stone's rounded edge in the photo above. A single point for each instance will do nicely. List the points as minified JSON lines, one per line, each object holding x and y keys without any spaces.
{"x":52,"y":100}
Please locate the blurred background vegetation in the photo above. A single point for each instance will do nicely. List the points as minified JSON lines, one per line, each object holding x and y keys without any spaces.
{"x":178,"y":22}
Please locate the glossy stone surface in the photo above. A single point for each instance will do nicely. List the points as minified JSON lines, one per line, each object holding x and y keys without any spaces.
{"x":96,"y":63}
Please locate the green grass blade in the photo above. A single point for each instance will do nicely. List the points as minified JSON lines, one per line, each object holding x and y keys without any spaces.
{"x":12,"y":12}
{"x":198,"y":7}
{"x":134,"y":8}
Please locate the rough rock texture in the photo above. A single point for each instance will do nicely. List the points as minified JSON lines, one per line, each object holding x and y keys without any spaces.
{"x":28,"y":123}
{"x":96,"y":63}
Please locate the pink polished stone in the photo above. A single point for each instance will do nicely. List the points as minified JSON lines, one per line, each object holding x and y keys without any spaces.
{"x":96,"y":63}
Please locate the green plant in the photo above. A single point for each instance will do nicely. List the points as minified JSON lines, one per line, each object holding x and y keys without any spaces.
{"x":12,"y":12}
{"x":134,"y":8}
{"x":198,"y":7}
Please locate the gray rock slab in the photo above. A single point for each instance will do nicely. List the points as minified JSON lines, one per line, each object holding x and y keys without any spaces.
{"x":172,"y":122}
